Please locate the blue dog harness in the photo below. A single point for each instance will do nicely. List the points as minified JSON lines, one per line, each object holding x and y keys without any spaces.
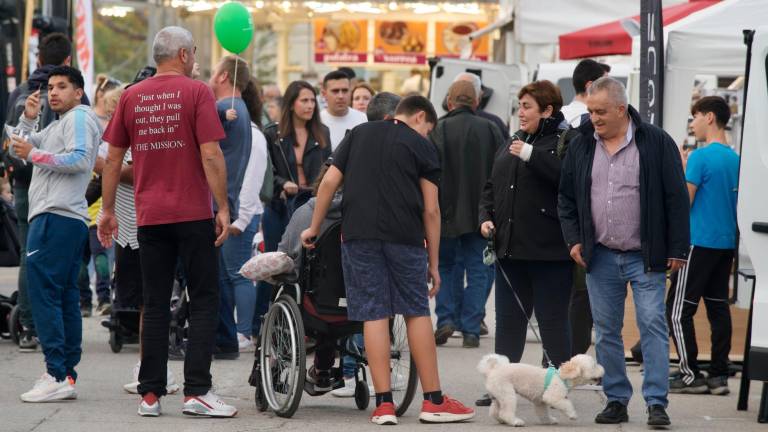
{"x":551,"y":373}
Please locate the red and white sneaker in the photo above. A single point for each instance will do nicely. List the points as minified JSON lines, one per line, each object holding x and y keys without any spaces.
{"x":384,"y":414}
{"x":207,"y":405}
{"x":449,"y":411}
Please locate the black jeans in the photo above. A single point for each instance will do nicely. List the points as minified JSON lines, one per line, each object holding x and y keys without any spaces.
{"x":159,"y":247}
{"x":128,"y":283}
{"x":544,"y":287}
{"x":705,"y":275}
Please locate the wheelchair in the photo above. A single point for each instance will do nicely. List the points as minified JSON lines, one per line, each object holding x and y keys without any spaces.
{"x":314,"y":305}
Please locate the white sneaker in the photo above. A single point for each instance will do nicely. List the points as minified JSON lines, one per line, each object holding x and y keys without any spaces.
{"x":47,"y":389}
{"x":171,"y":386}
{"x":397,"y":383}
{"x":147,"y":410}
{"x":208,"y":405}
{"x":348,"y":390}
{"x":245,"y":343}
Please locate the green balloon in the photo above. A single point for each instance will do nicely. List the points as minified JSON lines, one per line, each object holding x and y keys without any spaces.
{"x":233,"y":26}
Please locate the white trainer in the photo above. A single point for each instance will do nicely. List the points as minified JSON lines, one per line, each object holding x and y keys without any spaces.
{"x":47,"y":389}
{"x":132,"y":387}
{"x":149,"y":410}
{"x":244,"y":343}
{"x":208,"y":405}
{"x":348,"y":390}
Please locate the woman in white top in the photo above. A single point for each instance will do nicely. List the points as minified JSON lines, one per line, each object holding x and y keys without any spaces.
{"x":246,"y":226}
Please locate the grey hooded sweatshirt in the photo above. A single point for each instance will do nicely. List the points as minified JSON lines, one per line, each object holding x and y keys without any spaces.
{"x":63,"y":158}
{"x":301,"y":219}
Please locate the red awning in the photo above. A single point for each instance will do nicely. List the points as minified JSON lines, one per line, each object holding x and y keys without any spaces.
{"x":612,"y":39}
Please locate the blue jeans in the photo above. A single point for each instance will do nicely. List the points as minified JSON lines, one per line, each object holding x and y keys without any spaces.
{"x":610,"y":271}
{"x":349,"y":364}
{"x":463,"y":308}
{"x":245,"y":290}
{"x":55,"y":249}
{"x":235,"y":251}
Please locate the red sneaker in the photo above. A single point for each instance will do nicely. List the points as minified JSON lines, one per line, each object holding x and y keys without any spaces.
{"x":449,"y":411}
{"x":384,"y":414}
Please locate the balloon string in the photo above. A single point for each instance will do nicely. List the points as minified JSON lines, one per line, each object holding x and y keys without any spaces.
{"x":234,"y":84}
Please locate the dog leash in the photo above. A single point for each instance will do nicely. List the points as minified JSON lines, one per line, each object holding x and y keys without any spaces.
{"x":489,"y":257}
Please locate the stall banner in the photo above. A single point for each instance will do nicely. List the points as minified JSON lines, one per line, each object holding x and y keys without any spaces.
{"x":341,"y":41}
{"x":450,"y":37}
{"x":651,"y":62}
{"x":84,"y":41}
{"x":400,"y":42}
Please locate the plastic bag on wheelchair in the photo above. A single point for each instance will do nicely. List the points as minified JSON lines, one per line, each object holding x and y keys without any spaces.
{"x":321,"y":275}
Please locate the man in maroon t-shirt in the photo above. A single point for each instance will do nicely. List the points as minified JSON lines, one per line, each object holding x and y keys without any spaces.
{"x":171,"y":125}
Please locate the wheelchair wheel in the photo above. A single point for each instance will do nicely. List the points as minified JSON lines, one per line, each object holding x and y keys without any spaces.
{"x":14,"y":324}
{"x":283,"y":357}
{"x":404,"y":375}
{"x":362,"y":395}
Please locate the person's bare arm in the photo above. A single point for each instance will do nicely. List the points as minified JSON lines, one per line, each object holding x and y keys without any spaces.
{"x":331,"y":182}
{"x":98,"y":167}
{"x":692,"y":191}
{"x":110,"y":177}
{"x":431,"y":217}
{"x":216,"y":174}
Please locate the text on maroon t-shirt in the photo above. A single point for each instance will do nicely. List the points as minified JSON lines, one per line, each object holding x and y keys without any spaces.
{"x":164,"y":120}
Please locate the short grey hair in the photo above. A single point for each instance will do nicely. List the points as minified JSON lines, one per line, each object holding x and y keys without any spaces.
{"x":382,"y":105}
{"x":169,"y":41}
{"x":616,"y":90}
{"x":474,"y":79}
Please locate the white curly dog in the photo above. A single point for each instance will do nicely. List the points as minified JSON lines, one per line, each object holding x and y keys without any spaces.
{"x":544,"y":387}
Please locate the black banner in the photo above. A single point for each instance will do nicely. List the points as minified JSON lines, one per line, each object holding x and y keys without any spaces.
{"x":651,"y":62}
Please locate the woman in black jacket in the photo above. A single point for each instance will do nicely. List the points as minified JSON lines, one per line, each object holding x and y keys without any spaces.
{"x":298,"y":146}
{"x":519,"y":207}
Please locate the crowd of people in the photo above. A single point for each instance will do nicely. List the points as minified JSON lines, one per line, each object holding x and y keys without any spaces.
{"x":181,"y":175}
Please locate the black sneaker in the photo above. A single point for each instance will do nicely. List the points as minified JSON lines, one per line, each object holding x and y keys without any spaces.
{"x":85,"y":311}
{"x":485,"y":400}
{"x":321,"y":379}
{"x":27,"y":342}
{"x":718,"y":385}
{"x":471,"y":341}
{"x":697,"y":386}
{"x":483,"y":329}
{"x":220,"y":354}
{"x":443,"y":333}
{"x":657,"y":416}
{"x":614,"y":413}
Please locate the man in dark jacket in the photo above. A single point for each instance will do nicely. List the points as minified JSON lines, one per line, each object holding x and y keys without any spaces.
{"x":623,"y":207}
{"x":467,"y":144}
{"x":55,"y":50}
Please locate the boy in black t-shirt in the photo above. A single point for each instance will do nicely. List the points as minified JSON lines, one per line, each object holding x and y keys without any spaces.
{"x":390,"y":173}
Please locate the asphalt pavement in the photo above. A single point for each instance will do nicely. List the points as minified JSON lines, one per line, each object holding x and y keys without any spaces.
{"x":103,"y":406}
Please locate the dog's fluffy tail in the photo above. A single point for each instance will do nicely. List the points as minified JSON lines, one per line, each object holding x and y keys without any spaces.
{"x":490,"y":362}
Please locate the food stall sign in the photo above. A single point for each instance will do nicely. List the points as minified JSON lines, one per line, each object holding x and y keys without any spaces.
{"x":451,"y":37}
{"x":341,"y":41}
{"x":400,"y":42}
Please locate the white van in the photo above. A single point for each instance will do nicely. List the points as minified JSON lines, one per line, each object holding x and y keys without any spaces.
{"x":505,"y":80}
{"x":753,"y":201}
{"x":502,"y":82}
{"x":561,"y":74}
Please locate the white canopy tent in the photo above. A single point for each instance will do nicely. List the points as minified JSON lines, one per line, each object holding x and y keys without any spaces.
{"x":709,"y":42}
{"x":538,"y":24}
